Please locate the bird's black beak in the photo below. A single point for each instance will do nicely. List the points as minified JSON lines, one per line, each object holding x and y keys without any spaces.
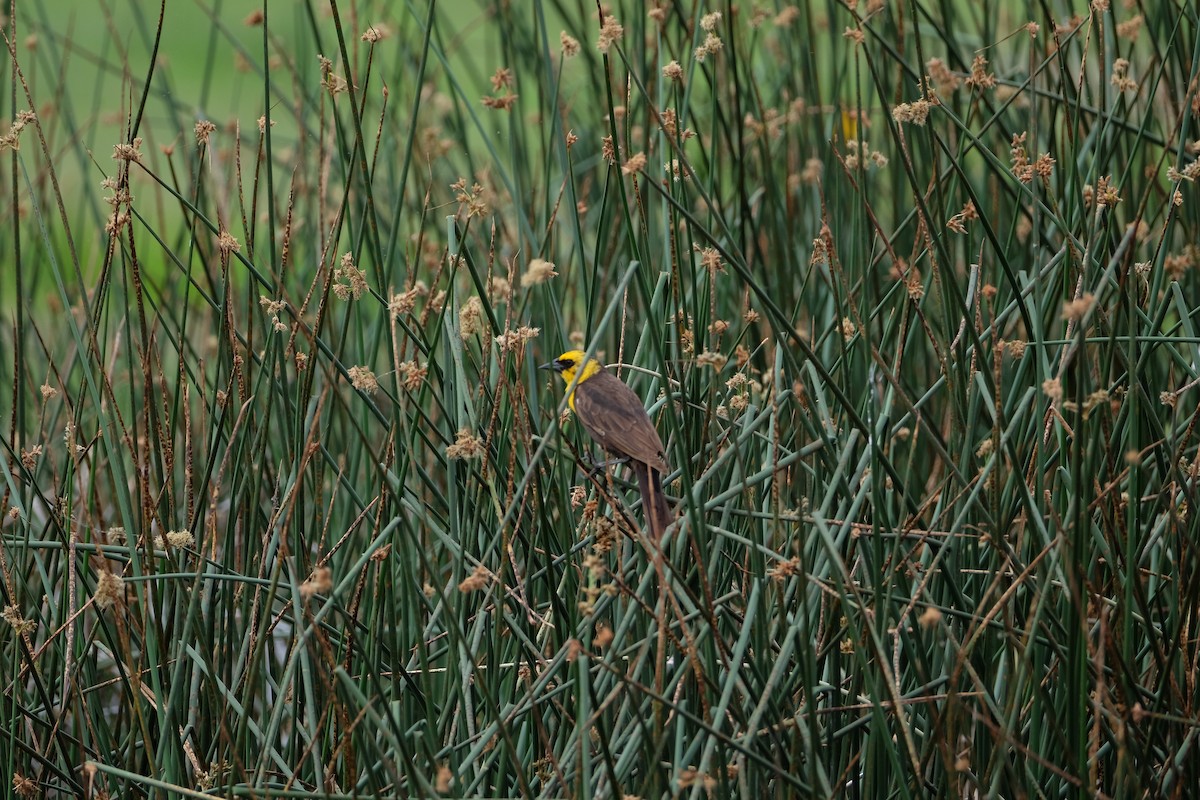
{"x":547,"y":365}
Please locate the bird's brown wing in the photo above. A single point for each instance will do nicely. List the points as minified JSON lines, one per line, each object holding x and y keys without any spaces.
{"x":614,"y":416}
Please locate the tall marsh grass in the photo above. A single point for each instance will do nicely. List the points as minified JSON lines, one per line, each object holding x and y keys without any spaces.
{"x":910,"y":290}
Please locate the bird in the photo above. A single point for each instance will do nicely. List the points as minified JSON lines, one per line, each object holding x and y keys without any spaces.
{"x":613,"y":415}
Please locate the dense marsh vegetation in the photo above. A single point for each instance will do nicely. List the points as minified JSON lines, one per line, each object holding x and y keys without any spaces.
{"x":909,"y":288}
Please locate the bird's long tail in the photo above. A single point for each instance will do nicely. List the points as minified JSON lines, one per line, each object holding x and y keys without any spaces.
{"x":654,"y":503}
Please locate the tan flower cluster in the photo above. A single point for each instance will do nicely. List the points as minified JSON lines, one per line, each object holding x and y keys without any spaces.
{"x":635,"y":164}
{"x":433,"y":144}
{"x":943,"y":78}
{"x":471,"y":318}
{"x":673,"y":72}
{"x":350,"y":282}
{"x":930,"y":618}
{"x":412,"y":375}
{"x":376,"y":33}
{"x":203,"y":130}
{"x":914,"y":113}
{"x":1022,"y":167}
{"x":110,"y":590}
{"x":570,"y":45}
{"x":330,"y":81}
{"x":478,"y":579}
{"x":786,"y":16}
{"x":758,"y":17}
{"x":503,"y":102}
{"x":861,"y":153}
{"x":12,"y":138}
{"x":319,"y":582}
{"x":1106,"y":192}
{"x":403,"y":302}
{"x":710,"y":260}
{"x":1130,"y":28}
{"x":980,"y":79}
{"x":471,"y":198}
{"x":578,"y":496}
{"x":738,"y":382}
{"x":444,"y":781}
{"x":1098,"y":398}
{"x":499,"y":289}
{"x":605,"y":533}
{"x":958,"y":223}
{"x":693,"y":777}
{"x":740,"y":388}
{"x":120,"y":194}
{"x":30,"y":456}
{"x":1069,"y":25}
{"x":610,"y":32}
{"x":502,"y":78}
{"x":913,"y":285}
{"x":785,"y":569}
{"x":363,"y":379}
{"x":175,"y":539}
{"x":607,"y":151}
{"x":502,"y":97}
{"x":813,"y":169}
{"x":770,"y":126}
{"x":466,"y":446}
{"x":687,"y":340}
{"x":670,"y":126}
{"x":1120,"y":76}
{"x":511,"y":341}
{"x":604,"y":637}
{"x":820,"y":254}
{"x":126,"y":151}
{"x":1176,"y":264}
{"x":12,"y":615}
{"x":24,"y":787}
{"x":538,"y":271}
{"x":710,"y":359}
{"x":1075,"y":310}
{"x":227,"y":244}
{"x":712,"y":43}
{"x":273,"y":308}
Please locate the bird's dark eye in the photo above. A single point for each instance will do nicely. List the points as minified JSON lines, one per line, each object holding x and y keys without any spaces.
{"x":566,"y":363}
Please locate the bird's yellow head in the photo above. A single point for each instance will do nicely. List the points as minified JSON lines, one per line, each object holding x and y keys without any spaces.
{"x":570,"y":364}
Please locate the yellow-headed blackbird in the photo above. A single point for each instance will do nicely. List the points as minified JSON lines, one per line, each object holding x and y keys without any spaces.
{"x":613,"y":415}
